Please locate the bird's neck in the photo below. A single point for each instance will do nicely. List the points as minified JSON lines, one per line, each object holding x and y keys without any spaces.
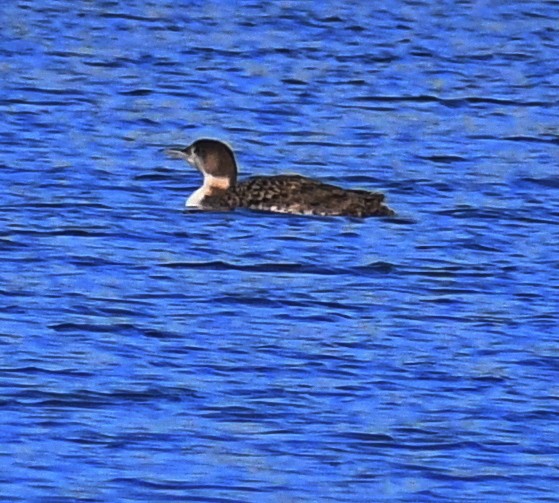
{"x":212,"y":186}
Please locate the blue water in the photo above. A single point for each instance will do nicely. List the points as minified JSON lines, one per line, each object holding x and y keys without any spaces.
{"x":151,"y":354}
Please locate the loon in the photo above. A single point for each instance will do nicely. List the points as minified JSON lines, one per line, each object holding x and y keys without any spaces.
{"x":293,"y":194}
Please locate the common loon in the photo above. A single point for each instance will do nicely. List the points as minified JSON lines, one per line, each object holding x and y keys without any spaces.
{"x":281,"y":193}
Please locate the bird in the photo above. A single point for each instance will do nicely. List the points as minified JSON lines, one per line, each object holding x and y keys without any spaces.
{"x":293,"y":194}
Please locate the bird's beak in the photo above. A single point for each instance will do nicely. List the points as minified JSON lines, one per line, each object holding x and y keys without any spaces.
{"x":177,"y":152}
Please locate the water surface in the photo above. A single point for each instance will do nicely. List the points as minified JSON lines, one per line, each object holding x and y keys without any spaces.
{"x":152,"y":354}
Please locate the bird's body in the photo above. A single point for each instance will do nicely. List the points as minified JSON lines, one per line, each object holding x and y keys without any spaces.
{"x":293,"y":194}
{"x":298,"y":195}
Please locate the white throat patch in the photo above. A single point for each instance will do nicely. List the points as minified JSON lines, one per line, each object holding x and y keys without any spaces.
{"x":210,"y":185}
